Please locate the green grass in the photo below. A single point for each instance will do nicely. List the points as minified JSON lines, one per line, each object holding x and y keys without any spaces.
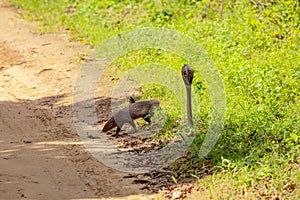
{"x":254,"y":44}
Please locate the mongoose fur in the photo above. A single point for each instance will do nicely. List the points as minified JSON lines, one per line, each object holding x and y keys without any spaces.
{"x":135,"y":110}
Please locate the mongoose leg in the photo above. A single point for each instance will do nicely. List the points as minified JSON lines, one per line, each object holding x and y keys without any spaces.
{"x":147,"y":119}
{"x":133,"y":125}
{"x":117,"y":132}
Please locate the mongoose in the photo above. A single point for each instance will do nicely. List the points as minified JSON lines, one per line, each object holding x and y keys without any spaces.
{"x":135,"y":110}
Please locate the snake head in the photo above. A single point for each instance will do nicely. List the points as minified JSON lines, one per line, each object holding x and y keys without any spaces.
{"x":187,"y":73}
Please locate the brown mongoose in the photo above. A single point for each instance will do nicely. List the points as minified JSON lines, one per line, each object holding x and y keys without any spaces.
{"x":135,"y":110}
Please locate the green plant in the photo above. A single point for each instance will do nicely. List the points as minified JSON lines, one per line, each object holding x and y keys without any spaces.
{"x":254,"y":44}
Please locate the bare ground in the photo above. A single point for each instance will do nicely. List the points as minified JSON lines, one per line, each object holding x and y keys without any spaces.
{"x":41,"y":156}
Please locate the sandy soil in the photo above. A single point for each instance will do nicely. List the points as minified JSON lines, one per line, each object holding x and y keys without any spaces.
{"x":41,"y":156}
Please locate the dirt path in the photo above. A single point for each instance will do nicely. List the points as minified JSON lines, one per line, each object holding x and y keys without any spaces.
{"x":41,"y":156}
